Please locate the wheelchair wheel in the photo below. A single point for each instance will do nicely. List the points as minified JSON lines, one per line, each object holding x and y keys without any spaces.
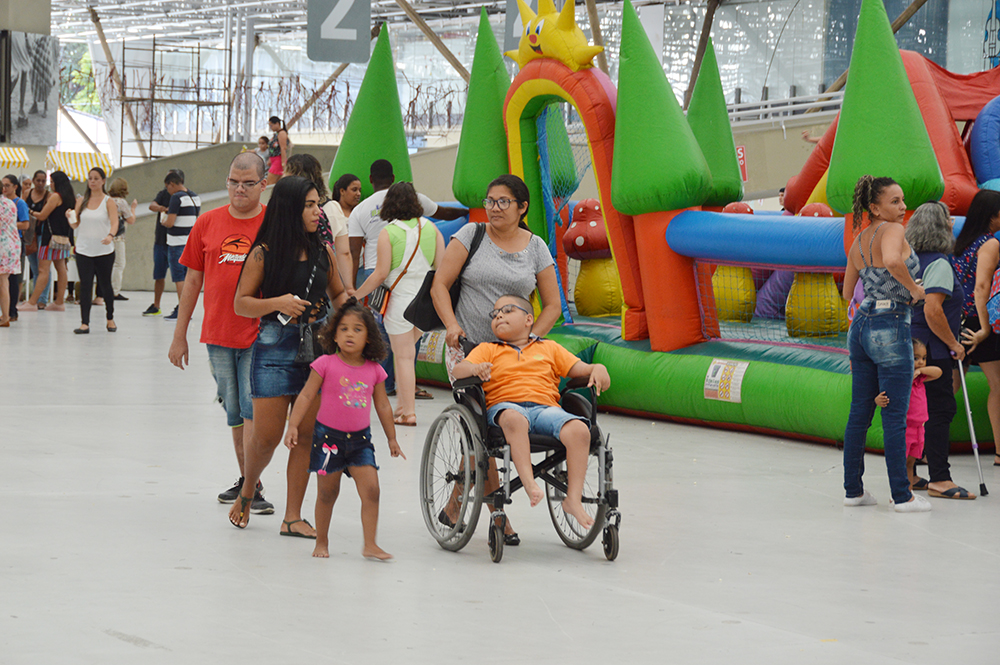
{"x":452,"y":473}
{"x":610,"y":542}
{"x":569,"y":530}
{"x":496,"y":542}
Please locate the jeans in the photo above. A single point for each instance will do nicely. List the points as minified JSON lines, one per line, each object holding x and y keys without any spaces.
{"x":231,"y":371}
{"x":387,"y":364}
{"x":881,"y":361}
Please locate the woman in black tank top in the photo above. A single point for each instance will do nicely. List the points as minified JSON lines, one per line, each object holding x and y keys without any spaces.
{"x":51,"y":221}
{"x":287,"y":278}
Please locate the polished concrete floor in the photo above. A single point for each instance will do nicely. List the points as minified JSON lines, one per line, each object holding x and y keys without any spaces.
{"x":735,"y":548}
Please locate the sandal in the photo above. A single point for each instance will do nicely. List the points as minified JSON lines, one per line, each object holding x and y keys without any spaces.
{"x":920,"y":484}
{"x":953,"y":493}
{"x":407,"y":420}
{"x":422,"y":394}
{"x":292,"y":534}
{"x":244,"y":512}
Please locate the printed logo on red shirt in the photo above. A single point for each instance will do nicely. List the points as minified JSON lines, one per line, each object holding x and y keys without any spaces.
{"x":235,"y":248}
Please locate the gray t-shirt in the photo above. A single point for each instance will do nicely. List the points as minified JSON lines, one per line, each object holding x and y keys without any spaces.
{"x":492,"y":273}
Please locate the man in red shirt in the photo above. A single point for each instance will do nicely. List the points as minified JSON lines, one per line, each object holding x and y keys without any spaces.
{"x":216,"y":248}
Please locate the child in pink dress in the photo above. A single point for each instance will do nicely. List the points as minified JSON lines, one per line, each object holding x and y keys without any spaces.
{"x":916,"y":416}
{"x":352,"y":380}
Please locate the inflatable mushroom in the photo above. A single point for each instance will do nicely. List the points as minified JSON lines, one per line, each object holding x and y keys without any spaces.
{"x":598,"y":290}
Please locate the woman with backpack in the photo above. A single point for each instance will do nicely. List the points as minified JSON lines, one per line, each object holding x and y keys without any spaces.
{"x":977,"y":254}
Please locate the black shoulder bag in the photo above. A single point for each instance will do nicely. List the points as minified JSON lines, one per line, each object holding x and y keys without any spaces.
{"x":309,"y":345}
{"x":420,"y":312}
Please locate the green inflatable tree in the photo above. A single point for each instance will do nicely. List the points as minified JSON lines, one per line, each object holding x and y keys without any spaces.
{"x":709,"y":122}
{"x":658,"y":163}
{"x":482,"y":147}
{"x":880,"y":130}
{"x":375,"y":128}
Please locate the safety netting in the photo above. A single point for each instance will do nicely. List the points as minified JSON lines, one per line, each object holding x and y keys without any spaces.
{"x":564,"y":158}
{"x":773,"y":304}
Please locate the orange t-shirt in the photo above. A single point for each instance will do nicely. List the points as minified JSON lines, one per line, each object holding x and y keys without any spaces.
{"x":530,"y":374}
{"x":217,"y":246}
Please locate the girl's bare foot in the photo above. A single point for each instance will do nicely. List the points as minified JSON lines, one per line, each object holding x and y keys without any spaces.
{"x":535,"y":493}
{"x":575,"y":508}
{"x":375,"y":552}
{"x":322,"y":550}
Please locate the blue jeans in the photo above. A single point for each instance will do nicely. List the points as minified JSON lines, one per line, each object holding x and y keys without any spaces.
{"x":231,"y":370}
{"x":881,"y":360}
{"x":387,"y":364}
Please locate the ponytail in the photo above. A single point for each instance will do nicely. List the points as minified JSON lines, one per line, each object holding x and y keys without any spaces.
{"x":866,"y":192}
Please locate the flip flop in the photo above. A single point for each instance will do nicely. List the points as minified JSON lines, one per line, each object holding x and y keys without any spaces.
{"x":405,"y":420}
{"x":953,"y":493}
{"x":921,"y":484}
{"x":244,"y":510}
{"x":422,"y":394}
{"x":292,"y":534}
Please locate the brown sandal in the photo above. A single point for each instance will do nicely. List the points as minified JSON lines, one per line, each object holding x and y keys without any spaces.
{"x":406,"y":420}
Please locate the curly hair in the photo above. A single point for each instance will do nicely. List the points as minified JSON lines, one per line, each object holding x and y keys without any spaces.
{"x":401,"y":202}
{"x":929,"y":229}
{"x":374,"y":345}
{"x":866,"y":192}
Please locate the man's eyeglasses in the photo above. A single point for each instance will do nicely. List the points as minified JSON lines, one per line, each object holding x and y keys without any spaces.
{"x":507,"y":309}
{"x":503,"y":204}
{"x":247,"y":184}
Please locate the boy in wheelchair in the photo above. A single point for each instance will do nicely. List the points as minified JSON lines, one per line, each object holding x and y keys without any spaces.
{"x":521,"y":374}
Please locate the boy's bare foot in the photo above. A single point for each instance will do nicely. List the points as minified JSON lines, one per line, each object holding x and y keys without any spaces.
{"x":239,"y":514}
{"x":575,"y":508}
{"x":535,"y":493}
{"x":375,"y":552}
{"x":321,"y":551}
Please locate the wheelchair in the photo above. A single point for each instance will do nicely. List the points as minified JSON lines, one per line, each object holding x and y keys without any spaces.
{"x":455,"y":469}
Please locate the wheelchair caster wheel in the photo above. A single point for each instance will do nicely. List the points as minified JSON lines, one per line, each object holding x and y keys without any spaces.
{"x":496,"y":543}
{"x":611,"y":542}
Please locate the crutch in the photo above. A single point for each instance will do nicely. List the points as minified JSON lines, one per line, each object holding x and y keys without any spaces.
{"x":972,"y":429}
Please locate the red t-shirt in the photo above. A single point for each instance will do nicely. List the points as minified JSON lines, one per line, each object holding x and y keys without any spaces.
{"x":217,"y":246}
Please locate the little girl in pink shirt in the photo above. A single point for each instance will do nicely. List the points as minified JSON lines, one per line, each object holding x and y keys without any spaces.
{"x":916,"y":416}
{"x":352,"y":380}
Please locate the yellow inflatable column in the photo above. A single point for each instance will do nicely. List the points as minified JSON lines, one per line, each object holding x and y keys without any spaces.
{"x":815,"y":307}
{"x":735,"y":295}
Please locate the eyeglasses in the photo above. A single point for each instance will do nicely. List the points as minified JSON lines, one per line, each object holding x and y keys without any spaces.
{"x":503,"y":204}
{"x":506,"y":309}
{"x":247,"y":184}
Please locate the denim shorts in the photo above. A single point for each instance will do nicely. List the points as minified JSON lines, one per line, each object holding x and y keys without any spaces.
{"x":274,"y":372}
{"x":231,"y":370}
{"x":178,"y":271}
{"x":160,"y":262}
{"x":547,"y":420}
{"x":334,"y":451}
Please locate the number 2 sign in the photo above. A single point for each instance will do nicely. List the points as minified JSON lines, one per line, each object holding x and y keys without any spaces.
{"x":339,"y":30}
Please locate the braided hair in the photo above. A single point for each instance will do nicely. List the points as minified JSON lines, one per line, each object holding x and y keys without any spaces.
{"x":867,"y":192}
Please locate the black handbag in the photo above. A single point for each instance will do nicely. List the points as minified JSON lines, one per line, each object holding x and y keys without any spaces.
{"x":420,"y":312}
{"x":310,"y":347}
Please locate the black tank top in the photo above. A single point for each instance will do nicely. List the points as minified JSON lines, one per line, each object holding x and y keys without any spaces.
{"x":299,"y":280}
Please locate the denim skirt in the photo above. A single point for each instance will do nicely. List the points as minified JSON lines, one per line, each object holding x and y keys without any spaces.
{"x":274,"y":372}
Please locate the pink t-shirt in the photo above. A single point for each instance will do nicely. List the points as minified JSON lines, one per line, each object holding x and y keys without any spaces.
{"x":346,"y":400}
{"x":918,"y":400}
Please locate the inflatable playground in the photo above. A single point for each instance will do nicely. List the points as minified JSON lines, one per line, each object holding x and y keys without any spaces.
{"x":702,"y":311}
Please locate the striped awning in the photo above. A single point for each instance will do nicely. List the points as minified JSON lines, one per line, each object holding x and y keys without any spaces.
{"x":77,"y":164}
{"x":13,"y":158}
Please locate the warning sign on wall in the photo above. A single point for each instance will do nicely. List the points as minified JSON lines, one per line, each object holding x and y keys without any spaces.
{"x":724,"y":380}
